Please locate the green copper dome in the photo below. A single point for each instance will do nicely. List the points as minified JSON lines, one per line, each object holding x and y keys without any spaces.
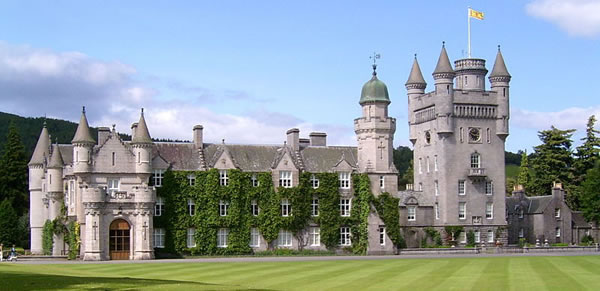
{"x":374,"y":91}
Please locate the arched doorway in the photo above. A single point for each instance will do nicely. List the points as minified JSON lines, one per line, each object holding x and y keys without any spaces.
{"x":119,"y":240}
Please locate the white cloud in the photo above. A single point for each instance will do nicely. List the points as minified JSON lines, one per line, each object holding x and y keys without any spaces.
{"x":574,"y":117}
{"x":577,"y":17}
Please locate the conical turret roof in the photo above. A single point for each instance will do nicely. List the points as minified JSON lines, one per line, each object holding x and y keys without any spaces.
{"x":443,"y":64}
{"x":499,"y":69}
{"x":56,"y":160}
{"x":141,"y":132}
{"x":41,"y":148}
{"x":82,"y":135}
{"x":415,"y":77}
{"x":374,"y":90}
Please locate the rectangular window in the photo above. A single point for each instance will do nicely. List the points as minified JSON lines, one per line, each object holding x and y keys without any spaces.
{"x":420,"y":186}
{"x":382,"y":182}
{"x":411,"y":213}
{"x":462,"y":237}
{"x":254,"y":208}
{"x":284,"y":239}
{"x":114,"y":157}
{"x":223,"y":207}
{"x":159,"y":237}
{"x":489,"y":210}
{"x":159,"y":207}
{"x":314,"y":181}
{"x":222,"y":237}
{"x":345,"y":207}
{"x":191,"y":180}
{"x":488,"y":136}
{"x":462,"y":189}
{"x":285,"y":179}
{"x":437,"y":211}
{"x":254,"y":179}
{"x":520,"y":213}
{"x":427,"y":164}
{"x":490,"y":236}
{"x":477,"y":236}
{"x":72,"y":193}
{"x":475,"y":161}
{"x":557,"y":212}
{"x":191,"y":207}
{"x":382,"y":235}
{"x":254,"y":237}
{"x":558,"y":232}
{"x":191,"y":239}
{"x":435,"y":163}
{"x":420,"y":166}
{"x":489,"y":188}
{"x":286,"y":208}
{"x":113,"y":186}
{"x":436,"y":187}
{"x":314,"y":236}
{"x":521,"y":233}
{"x":462,"y":210}
{"x":223,"y":178}
{"x":314,"y":205}
{"x":345,"y":180}
{"x":157,"y":178}
{"x":345,"y":236}
{"x":461,"y":134}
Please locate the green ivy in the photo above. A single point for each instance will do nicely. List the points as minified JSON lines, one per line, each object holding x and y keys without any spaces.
{"x":470,"y":238}
{"x":73,"y":239}
{"x":360,"y":213}
{"x":48,"y":237}
{"x":387,"y":208}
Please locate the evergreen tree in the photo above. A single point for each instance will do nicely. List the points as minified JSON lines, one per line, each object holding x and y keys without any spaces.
{"x":588,"y":153}
{"x":552,"y":161}
{"x":408,"y":177}
{"x":8,"y":223}
{"x":524,"y":177}
{"x":14,"y":171}
{"x":590,"y":195}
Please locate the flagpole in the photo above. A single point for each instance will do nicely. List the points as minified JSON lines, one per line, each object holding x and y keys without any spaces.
{"x":469,"y":32}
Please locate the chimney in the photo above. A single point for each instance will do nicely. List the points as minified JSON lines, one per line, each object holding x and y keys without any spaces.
{"x":133,"y":129}
{"x":558,"y":192}
{"x":304,"y":142}
{"x":293,"y":138}
{"x":103,"y":133}
{"x":198,"y":143}
{"x":518,"y":190}
{"x":318,"y":139}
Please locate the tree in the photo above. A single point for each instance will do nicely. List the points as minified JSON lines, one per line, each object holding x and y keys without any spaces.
{"x":552,"y":161}
{"x":14,"y":171}
{"x":590,"y":195}
{"x":588,"y":152}
{"x":8,"y":223}
{"x":524,"y":177}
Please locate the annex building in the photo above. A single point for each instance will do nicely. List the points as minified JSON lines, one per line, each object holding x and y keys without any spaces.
{"x":136,"y":198}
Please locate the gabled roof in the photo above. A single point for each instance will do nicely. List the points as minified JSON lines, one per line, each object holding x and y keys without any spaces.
{"x":537,"y":204}
{"x":42,"y":148}
{"x":578,"y":220}
{"x":408,"y":197}
{"x":82,"y":135}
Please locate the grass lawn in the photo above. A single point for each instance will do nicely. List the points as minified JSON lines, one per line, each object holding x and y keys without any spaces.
{"x":495,"y":273}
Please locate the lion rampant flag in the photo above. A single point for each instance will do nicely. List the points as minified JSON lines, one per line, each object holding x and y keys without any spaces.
{"x":475,"y":14}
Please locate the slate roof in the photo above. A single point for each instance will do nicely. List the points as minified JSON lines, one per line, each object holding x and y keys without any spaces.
{"x":56,"y":160}
{"x":323,"y":159}
{"x":537,"y":204}
{"x":578,"y":220}
{"x":443,"y":63}
{"x":82,"y":135}
{"x":181,"y":156}
{"x":499,"y":69}
{"x":423,"y":200}
{"x":42,"y":148}
{"x":415,"y":77}
{"x":142,"y":135}
{"x":248,"y":158}
{"x":66,"y":151}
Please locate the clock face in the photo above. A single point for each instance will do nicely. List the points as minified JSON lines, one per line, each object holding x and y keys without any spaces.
{"x":474,"y":134}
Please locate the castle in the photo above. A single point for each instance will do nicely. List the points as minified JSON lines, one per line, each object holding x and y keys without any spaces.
{"x":109,"y":186}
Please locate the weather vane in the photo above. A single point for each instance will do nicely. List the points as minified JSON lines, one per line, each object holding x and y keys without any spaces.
{"x":375,"y":57}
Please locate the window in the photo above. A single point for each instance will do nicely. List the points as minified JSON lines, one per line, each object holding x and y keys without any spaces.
{"x":420,"y":186}
{"x":475,"y":161}
{"x":461,"y":134}
{"x":490,"y":236}
{"x":427,"y":164}
{"x":489,"y":188}
{"x":314,"y":205}
{"x":223,"y":207}
{"x":557,"y":212}
{"x":382,"y":182}
{"x":254,"y":179}
{"x":285,"y":179}
{"x":462,"y":210}
{"x":222,"y":237}
{"x":462,"y":237}
{"x":428,"y":137}
{"x":254,"y":208}
{"x":436,"y":187}
{"x":191,"y":207}
{"x":437,"y":211}
{"x":558,"y":232}
{"x":191,"y":240}
{"x":382,"y":235}
{"x":72,"y":192}
{"x":254,"y":237}
{"x":159,"y":237}
{"x":223,"y":178}
{"x":284,"y":239}
{"x":191,"y":180}
{"x":420,"y":166}
{"x":345,"y":236}
{"x":314,"y":236}
{"x":411,"y":213}
{"x":345,"y":207}
{"x":345,"y":180}
{"x":477,"y":236}
{"x":435,"y":163}
{"x":114,"y":157}
{"x":520,"y":213}
{"x":489,"y":210}
{"x":286,"y":208}
{"x":488,"y":137}
{"x":113,"y":186}
{"x":159,"y":207}
{"x":139,"y":157}
{"x":462,"y":187}
{"x":314,"y":181}
{"x":157,"y":178}
{"x":521,"y":233}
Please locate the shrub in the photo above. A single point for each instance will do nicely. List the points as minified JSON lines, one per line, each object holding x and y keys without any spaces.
{"x":588,"y":240}
{"x":522,"y":242}
{"x":470,"y":239}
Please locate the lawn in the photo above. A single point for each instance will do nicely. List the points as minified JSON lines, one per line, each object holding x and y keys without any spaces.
{"x":491,"y":273}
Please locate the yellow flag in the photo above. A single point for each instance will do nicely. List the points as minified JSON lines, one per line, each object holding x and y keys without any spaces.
{"x":475,"y":14}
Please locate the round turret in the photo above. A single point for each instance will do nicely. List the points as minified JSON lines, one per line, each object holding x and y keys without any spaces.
{"x":374,"y":91}
{"x":82,"y":146}
{"x":470,"y":74}
{"x":142,"y":147}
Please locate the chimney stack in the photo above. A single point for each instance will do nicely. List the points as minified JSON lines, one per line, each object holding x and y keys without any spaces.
{"x":133,"y":129}
{"x":103,"y":133}
{"x":198,"y":142}
{"x":558,"y":191}
{"x":293,"y":138}
{"x":318,"y":139}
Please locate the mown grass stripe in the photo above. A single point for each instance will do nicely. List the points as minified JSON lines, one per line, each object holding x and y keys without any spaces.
{"x":554,"y":278}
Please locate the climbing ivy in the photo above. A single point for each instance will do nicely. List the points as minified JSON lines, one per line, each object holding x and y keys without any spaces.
{"x":360,"y":213}
{"x":73,"y":239}
{"x":47,"y":237}
{"x":387,"y":208}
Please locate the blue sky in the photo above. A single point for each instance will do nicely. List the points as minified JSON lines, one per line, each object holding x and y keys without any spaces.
{"x":249,"y":70}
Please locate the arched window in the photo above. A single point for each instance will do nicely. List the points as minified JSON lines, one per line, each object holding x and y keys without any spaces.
{"x":475,"y":161}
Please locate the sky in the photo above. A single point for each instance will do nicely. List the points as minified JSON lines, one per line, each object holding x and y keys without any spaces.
{"x":249,"y":70}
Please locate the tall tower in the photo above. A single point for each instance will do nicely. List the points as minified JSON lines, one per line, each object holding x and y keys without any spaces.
{"x":54,"y":179}
{"x":142,"y":148}
{"x":83,"y":144}
{"x":375,"y":134}
{"x":36,"y":194}
{"x":458,"y":132}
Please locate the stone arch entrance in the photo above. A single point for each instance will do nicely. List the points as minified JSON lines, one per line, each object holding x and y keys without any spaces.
{"x":119,"y":240}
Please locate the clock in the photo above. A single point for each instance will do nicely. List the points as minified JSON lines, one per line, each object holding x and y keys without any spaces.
{"x":474,"y":134}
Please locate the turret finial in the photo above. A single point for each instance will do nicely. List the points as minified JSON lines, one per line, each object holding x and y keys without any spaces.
{"x":374,"y":69}
{"x":498,"y":47}
{"x":83,"y":110}
{"x":44,"y":122}
{"x":443,"y":43}
{"x":142,"y":110}
{"x":375,"y":57}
